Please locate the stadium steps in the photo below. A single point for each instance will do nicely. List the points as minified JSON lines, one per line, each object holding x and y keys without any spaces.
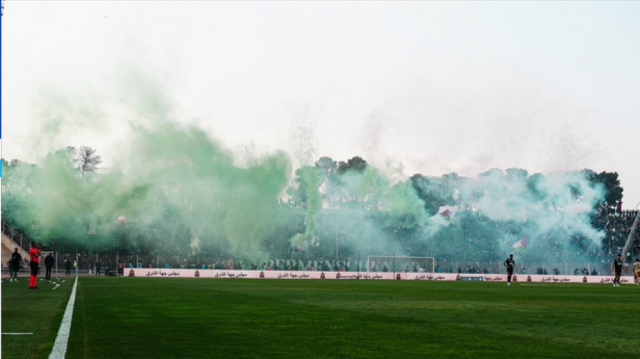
{"x":11,"y":239}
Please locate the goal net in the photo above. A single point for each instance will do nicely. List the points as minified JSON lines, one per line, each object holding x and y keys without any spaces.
{"x":396,"y":264}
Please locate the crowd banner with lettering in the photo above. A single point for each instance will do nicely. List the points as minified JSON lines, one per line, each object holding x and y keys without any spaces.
{"x":268,"y":274}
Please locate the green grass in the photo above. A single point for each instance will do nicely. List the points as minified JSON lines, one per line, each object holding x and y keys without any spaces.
{"x":245,"y":318}
{"x":32,"y":311}
{"x":198,"y":318}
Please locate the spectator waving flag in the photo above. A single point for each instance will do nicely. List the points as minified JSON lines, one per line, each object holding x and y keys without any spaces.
{"x":519,"y":246}
{"x":445,"y":215}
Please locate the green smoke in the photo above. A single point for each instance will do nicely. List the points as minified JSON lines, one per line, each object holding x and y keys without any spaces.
{"x":178,"y":191}
{"x":176,"y":184}
{"x":309,"y":183}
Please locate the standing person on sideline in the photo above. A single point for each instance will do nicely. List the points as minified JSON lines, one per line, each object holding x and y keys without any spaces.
{"x":75,"y":267}
{"x":10,"y":266}
{"x":636,"y":270}
{"x":67,"y":267}
{"x":34,"y":257}
{"x":616,"y":268}
{"x":48,"y":263}
{"x":510,"y":264}
{"x":98,"y":264}
{"x":16,"y":260}
{"x":89,"y":268}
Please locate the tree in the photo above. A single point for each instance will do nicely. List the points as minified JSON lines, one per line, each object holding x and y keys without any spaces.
{"x":327,"y":166}
{"x":611,"y":184}
{"x":62,"y":159}
{"x":300,"y":193}
{"x":87,"y":162}
{"x":430,"y":191}
{"x":327,"y":169}
{"x":357,"y":163}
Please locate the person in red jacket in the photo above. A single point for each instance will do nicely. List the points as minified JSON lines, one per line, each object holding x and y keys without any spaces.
{"x":34,"y":257}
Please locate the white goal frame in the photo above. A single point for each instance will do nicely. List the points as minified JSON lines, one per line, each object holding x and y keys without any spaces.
{"x":430,"y":270}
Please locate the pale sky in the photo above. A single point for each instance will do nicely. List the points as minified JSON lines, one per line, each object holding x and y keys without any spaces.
{"x":427,"y":87}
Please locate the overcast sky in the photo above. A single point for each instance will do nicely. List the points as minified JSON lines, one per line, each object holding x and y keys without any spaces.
{"x":426,"y":87}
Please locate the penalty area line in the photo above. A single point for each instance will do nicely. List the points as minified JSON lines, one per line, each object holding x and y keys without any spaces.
{"x":60,"y":346}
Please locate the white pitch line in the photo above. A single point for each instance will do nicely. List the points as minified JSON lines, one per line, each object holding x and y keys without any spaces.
{"x":60,"y":347}
{"x":17,"y":333}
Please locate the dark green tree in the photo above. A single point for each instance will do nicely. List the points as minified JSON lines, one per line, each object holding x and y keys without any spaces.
{"x":611,"y":184}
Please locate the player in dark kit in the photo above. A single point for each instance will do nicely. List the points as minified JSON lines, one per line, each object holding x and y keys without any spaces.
{"x":616,"y":267}
{"x":49,"y":261}
{"x":34,"y":257}
{"x":14,"y":263}
{"x":510,"y":264}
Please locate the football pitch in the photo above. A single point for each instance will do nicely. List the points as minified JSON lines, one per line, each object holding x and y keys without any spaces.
{"x":250,"y":318}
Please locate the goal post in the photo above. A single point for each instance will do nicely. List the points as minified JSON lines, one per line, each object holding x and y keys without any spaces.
{"x":396,"y":264}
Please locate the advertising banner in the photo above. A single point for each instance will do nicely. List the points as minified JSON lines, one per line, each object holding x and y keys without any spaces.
{"x":268,"y":274}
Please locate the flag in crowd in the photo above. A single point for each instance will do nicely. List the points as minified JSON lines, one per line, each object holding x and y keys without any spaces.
{"x":519,"y":246}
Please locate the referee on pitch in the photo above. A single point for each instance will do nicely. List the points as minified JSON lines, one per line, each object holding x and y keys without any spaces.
{"x":34,"y":262}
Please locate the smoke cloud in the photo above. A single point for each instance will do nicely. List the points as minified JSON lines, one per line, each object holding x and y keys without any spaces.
{"x":180,"y":191}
